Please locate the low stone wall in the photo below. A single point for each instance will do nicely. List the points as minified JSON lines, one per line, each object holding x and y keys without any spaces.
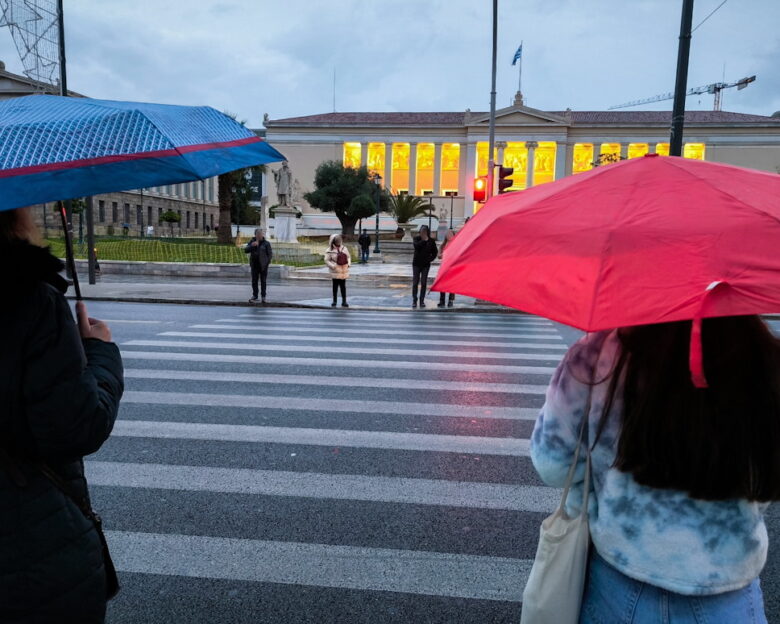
{"x":181,"y":269}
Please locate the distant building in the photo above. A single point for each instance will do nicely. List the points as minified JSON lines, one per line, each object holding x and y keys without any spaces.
{"x":440,"y":153}
{"x":196,"y":202}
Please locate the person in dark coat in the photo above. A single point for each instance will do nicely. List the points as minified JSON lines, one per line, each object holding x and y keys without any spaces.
{"x":364,"y":240}
{"x":60,"y":386}
{"x":425,"y":252}
{"x":260,"y":254}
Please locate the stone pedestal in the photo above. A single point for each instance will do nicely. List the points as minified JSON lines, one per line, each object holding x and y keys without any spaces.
{"x":407,"y":228}
{"x":285,"y":229}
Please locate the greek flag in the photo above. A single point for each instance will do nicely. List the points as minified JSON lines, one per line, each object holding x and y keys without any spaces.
{"x":518,"y":55}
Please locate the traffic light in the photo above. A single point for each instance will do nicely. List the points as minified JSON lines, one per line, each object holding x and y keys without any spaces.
{"x":480,"y":189}
{"x":504,"y":181}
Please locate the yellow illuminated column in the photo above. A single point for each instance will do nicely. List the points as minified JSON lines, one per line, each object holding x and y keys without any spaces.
{"x":582,"y":157}
{"x":352,"y":155}
{"x":662,"y":149}
{"x":412,"y":168}
{"x":425,"y":160}
{"x":544,"y":162}
{"x":635,"y":150}
{"x":388,"y":172}
{"x":694,"y":150}
{"x":450,"y":168}
{"x":531,"y":147}
{"x":437,"y":169}
{"x":516,"y":156}
{"x":400,"y":175}
{"x":376,"y":158}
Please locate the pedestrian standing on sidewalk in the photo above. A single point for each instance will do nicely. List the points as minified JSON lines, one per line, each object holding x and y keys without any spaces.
{"x":425,"y":252}
{"x":681,"y":475}
{"x":60,"y":386}
{"x":338,"y":261}
{"x":260,"y":254}
{"x":364,"y":240}
{"x":442,"y":296}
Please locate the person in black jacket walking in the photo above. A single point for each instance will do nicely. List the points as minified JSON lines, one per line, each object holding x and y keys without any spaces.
{"x":364,"y":240}
{"x":425,"y":252}
{"x":60,"y":386}
{"x":260,"y":254}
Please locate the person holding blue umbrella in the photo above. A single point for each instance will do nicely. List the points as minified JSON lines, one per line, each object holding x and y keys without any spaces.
{"x":59,"y":395}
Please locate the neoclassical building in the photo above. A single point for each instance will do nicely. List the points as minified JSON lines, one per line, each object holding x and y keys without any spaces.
{"x":440,"y":153}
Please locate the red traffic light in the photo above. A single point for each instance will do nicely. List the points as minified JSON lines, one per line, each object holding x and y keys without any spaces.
{"x":480,"y":189}
{"x":504,"y":181}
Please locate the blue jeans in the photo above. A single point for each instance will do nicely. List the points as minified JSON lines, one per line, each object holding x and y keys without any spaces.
{"x":613,"y":598}
{"x":364,"y":254}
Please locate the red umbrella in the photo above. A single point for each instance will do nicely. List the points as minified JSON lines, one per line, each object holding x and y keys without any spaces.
{"x":646,"y":240}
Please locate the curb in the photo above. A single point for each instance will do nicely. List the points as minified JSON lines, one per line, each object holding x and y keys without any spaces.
{"x":292,"y":304}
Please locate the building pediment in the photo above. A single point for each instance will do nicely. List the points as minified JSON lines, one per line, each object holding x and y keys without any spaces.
{"x":518,"y":115}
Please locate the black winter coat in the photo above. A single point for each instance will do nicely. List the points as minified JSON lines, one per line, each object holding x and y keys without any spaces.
{"x":260,"y":255}
{"x":425,"y":251}
{"x":59,"y":398}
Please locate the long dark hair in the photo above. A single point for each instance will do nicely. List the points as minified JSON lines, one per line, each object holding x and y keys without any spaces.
{"x":718,"y":443}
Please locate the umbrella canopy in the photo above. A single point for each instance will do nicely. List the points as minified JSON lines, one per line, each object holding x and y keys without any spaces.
{"x":646,"y":240}
{"x":55,"y":147}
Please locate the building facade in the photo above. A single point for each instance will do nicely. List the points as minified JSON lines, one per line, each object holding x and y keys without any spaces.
{"x":130,"y":212}
{"x":440,"y":154}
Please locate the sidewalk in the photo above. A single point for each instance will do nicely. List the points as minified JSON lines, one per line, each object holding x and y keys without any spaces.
{"x":370,"y":287}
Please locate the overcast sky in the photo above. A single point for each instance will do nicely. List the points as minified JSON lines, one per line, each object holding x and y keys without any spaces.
{"x":250,"y":57}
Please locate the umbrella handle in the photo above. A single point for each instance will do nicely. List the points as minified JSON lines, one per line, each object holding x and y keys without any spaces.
{"x":696,"y":354}
{"x":69,"y":260}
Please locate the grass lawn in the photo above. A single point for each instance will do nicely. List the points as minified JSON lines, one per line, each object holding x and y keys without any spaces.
{"x":161,"y":250}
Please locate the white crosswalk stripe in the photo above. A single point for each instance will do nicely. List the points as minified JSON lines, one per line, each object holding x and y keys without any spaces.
{"x":313,"y":408}
{"x":490,"y":355}
{"x":334,"y":381}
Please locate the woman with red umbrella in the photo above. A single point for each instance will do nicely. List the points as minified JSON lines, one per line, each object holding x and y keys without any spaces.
{"x":683,"y":398}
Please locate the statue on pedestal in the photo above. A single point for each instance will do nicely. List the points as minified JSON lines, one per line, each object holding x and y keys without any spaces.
{"x":283,"y":179}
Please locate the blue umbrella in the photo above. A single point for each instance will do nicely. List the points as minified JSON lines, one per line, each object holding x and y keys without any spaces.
{"x":54,"y":148}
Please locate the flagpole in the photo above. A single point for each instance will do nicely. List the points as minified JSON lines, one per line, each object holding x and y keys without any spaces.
{"x":520,"y":71}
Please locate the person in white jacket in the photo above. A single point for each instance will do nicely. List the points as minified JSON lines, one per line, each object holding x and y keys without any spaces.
{"x":338,"y":260}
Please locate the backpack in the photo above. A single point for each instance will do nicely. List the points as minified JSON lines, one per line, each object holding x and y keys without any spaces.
{"x":341,"y":258}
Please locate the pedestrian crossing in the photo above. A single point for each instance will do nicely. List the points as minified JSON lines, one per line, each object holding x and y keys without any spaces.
{"x":318,"y":452}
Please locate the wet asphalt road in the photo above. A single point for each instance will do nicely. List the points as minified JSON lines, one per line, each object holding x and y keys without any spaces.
{"x":327,"y":465}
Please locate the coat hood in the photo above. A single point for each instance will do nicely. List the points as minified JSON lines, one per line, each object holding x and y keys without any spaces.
{"x":23,"y":266}
{"x":331,"y":239}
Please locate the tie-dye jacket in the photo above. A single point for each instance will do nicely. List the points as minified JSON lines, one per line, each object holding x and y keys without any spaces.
{"x":662,"y":537}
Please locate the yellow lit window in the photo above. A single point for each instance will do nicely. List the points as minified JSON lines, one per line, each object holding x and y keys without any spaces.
{"x":400,"y":172}
{"x":544,"y":162}
{"x":450,"y":167}
{"x":610,"y":152}
{"x":582,"y":157}
{"x":424,"y":178}
{"x":694,"y":150}
{"x":352,"y":155}
{"x":376,"y":158}
{"x":516,"y":156}
{"x":662,"y":149}
{"x":635,"y":150}
{"x":482,"y":158}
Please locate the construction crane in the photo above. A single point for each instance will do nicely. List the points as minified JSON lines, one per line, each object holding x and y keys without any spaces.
{"x":715,"y":88}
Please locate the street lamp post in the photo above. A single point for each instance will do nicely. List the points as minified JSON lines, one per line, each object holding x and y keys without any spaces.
{"x":452,"y":201}
{"x":378,"y":182}
{"x":430,"y":212}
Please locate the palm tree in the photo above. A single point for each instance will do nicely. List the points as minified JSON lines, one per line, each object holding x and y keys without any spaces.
{"x":407,"y":207}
